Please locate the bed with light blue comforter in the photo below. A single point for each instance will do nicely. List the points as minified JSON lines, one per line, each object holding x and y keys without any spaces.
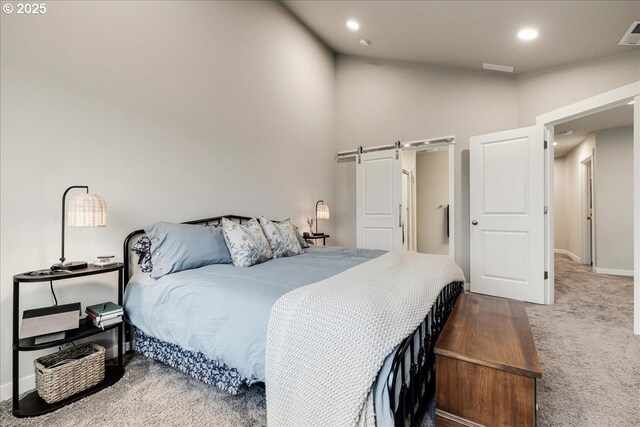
{"x":222,"y":311}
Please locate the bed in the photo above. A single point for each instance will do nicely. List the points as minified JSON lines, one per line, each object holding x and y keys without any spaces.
{"x":211,"y":323}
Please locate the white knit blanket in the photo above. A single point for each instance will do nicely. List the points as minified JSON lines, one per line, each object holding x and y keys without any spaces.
{"x":327,"y":341}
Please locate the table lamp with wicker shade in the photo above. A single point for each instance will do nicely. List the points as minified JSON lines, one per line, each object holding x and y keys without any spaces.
{"x":85,"y":210}
{"x":322,"y":212}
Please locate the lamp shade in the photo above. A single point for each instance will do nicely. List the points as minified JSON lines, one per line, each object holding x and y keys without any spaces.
{"x":87,"y":210}
{"x":322,"y":212}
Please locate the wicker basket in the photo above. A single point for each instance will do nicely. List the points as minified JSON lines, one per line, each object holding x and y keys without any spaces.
{"x":59,"y":382}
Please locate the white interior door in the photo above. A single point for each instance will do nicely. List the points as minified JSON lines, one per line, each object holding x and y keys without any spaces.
{"x":379,"y":200}
{"x":507,"y":214}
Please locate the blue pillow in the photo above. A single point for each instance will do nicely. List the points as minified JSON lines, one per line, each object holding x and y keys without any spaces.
{"x":177,"y":247}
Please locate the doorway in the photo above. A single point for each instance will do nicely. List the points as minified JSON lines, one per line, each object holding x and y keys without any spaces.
{"x":593,"y":176}
{"x":432,"y":199}
{"x":512,"y":236}
{"x":427,"y":220}
{"x":547,"y":124}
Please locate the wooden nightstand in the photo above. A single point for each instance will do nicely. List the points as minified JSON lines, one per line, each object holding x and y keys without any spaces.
{"x":31,"y":404}
{"x":313,"y":238}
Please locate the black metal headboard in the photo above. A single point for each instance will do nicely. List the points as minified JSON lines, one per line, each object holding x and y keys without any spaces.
{"x":207,"y":221}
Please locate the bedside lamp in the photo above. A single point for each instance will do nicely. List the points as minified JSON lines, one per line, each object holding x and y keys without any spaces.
{"x":322,"y":212}
{"x":85,"y":210}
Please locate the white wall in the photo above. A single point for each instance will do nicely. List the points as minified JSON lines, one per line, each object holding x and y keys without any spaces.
{"x":432,"y":190}
{"x":170,"y":111}
{"x":614,"y":199}
{"x":560,"y":203}
{"x":543,"y":91}
{"x":380,"y":102}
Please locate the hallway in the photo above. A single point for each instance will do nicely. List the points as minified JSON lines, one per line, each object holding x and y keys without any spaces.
{"x":590,"y":357}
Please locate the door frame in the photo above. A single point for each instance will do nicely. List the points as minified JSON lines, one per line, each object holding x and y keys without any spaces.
{"x":545,"y":123}
{"x":586,"y":194}
{"x":408,"y":176}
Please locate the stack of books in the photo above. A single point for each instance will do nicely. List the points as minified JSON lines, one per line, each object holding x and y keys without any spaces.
{"x":105,"y":314}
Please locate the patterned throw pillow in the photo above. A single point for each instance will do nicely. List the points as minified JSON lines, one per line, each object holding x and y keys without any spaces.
{"x":142,"y":248}
{"x":247,"y":243}
{"x":303,"y":243}
{"x":282,"y":237}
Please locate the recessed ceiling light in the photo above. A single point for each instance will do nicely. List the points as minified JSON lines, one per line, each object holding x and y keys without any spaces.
{"x":631,"y":102}
{"x":567,"y":132}
{"x":364,"y":42}
{"x":527,"y":34}
{"x":353,"y":25}
{"x":555,"y":143}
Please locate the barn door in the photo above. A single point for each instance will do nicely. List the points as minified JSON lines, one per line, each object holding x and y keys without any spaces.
{"x":379,"y":200}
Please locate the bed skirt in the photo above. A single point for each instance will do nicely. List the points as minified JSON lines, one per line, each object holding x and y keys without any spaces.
{"x":191,"y":363}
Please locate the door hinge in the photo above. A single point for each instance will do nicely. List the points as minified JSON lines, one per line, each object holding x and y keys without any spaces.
{"x":397,"y":150}
{"x":546,"y":210}
{"x":546,"y":144}
{"x":546,"y":275}
{"x":359,"y":154}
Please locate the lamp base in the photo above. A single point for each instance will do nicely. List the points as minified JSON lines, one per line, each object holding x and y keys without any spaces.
{"x":73,"y":265}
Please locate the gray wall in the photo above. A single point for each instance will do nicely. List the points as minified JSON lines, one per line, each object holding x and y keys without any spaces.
{"x":560,"y":203}
{"x":432,"y":190}
{"x":544,"y":91}
{"x":169,"y":110}
{"x":573,"y":193}
{"x":614,"y":198}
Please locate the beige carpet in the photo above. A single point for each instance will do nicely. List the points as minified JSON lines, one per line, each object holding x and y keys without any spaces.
{"x":152,"y":394}
{"x":590,"y":357}
{"x":590,"y":361}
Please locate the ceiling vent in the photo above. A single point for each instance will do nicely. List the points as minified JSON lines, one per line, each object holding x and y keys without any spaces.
{"x":632,"y":36}
{"x":496,"y":67}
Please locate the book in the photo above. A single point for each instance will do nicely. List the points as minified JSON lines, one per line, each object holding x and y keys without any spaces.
{"x":104,"y":316}
{"x":104,"y":309}
{"x":105,"y":264}
{"x":104,"y":323}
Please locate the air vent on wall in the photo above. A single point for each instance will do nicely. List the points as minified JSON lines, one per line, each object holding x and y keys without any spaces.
{"x":632,"y":36}
{"x":496,"y":67}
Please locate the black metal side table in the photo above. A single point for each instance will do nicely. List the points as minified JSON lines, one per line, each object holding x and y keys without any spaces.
{"x":32,"y":404}
{"x":315,"y":237}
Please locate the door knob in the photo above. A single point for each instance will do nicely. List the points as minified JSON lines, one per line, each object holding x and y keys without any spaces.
{"x":474,"y":222}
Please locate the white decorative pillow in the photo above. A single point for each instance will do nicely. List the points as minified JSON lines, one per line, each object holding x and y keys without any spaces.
{"x":247,"y":243}
{"x":282,"y":237}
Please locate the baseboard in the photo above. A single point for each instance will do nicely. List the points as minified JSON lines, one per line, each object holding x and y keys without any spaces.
{"x":613,"y":271}
{"x":569,"y":254}
{"x":25,"y":384}
{"x":29,"y":382}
